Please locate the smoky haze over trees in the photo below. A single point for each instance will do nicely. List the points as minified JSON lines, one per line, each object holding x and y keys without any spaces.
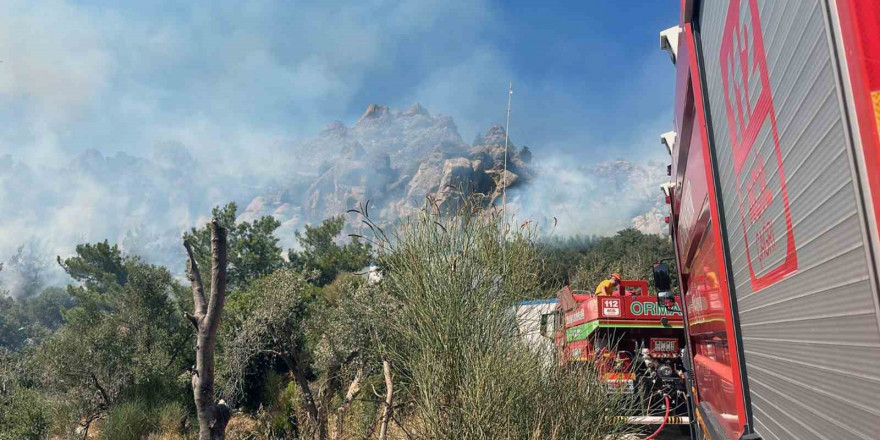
{"x":28,"y":269}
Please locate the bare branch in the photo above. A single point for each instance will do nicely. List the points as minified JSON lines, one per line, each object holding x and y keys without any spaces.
{"x":88,"y":423}
{"x":371,"y":429}
{"x":212,"y":416}
{"x":389,"y":400}
{"x":192,"y":319}
{"x":353,"y":390}
{"x":400,"y":425}
{"x":178,"y":348}
{"x":303,"y":383}
{"x":218,"y":275}
{"x":101,"y":390}
{"x":195,"y":279}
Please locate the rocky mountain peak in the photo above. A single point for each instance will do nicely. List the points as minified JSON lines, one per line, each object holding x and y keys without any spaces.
{"x":489,"y":149}
{"x":374,"y":111}
{"x":416,"y":109}
{"x":394,"y":159}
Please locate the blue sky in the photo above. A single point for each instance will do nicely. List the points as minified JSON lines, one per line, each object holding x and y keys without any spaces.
{"x":235,"y":80}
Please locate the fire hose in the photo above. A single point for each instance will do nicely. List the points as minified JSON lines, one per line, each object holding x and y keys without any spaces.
{"x":662,"y":425}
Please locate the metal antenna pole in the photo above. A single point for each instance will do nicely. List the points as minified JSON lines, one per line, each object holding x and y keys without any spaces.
{"x":504,"y":189}
{"x":504,"y":176}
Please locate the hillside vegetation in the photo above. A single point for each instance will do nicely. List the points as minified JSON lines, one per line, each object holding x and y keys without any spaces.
{"x":309,"y":348}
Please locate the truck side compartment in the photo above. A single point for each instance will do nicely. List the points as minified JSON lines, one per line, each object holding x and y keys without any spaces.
{"x":792,"y":109}
{"x":697,"y":237}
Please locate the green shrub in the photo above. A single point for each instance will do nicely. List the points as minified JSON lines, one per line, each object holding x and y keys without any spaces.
{"x":24,"y":415}
{"x":277,"y":419}
{"x":64,"y":418}
{"x":289,"y":401}
{"x":129,"y":421}
{"x":273,"y":387}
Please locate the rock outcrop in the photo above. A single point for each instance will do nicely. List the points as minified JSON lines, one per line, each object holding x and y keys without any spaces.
{"x":396,"y":160}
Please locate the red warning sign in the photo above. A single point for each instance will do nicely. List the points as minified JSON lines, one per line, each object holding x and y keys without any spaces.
{"x":757,"y":159}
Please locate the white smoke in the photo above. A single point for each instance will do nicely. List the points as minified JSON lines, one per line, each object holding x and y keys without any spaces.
{"x":146,"y":204}
{"x":142,"y":205}
{"x":571,"y":197}
{"x":129,"y":123}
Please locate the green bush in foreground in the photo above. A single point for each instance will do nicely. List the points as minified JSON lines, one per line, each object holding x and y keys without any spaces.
{"x":451,"y":338}
{"x":23,"y":415}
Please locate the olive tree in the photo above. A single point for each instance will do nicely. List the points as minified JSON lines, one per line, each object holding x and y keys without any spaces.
{"x":352,"y":324}
{"x":124,"y":334}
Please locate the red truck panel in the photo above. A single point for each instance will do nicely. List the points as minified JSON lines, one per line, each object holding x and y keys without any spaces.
{"x":859,"y":23}
{"x":701,"y":260}
{"x":792,"y":89}
{"x":622,"y":311}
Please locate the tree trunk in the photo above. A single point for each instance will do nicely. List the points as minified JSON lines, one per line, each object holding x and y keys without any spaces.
{"x":325,"y":394}
{"x":389,"y":400}
{"x":299,"y":376}
{"x":212,"y":417}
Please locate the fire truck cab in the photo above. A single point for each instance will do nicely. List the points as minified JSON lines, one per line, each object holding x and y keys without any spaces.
{"x":635,"y":341}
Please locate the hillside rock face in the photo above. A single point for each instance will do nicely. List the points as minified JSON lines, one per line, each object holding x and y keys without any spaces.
{"x":396,"y":160}
{"x":406,"y":137}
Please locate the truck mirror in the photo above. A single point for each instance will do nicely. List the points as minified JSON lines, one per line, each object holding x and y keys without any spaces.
{"x":666,"y":298}
{"x":662,"y":281}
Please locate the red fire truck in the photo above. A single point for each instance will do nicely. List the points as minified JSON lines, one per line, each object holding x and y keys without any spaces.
{"x":775,"y":199}
{"x":635,"y":341}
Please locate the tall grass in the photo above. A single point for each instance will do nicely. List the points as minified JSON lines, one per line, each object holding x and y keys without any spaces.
{"x":129,"y":421}
{"x":463,"y":372}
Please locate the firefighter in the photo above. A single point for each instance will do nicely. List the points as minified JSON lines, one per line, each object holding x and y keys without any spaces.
{"x":609,"y":286}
